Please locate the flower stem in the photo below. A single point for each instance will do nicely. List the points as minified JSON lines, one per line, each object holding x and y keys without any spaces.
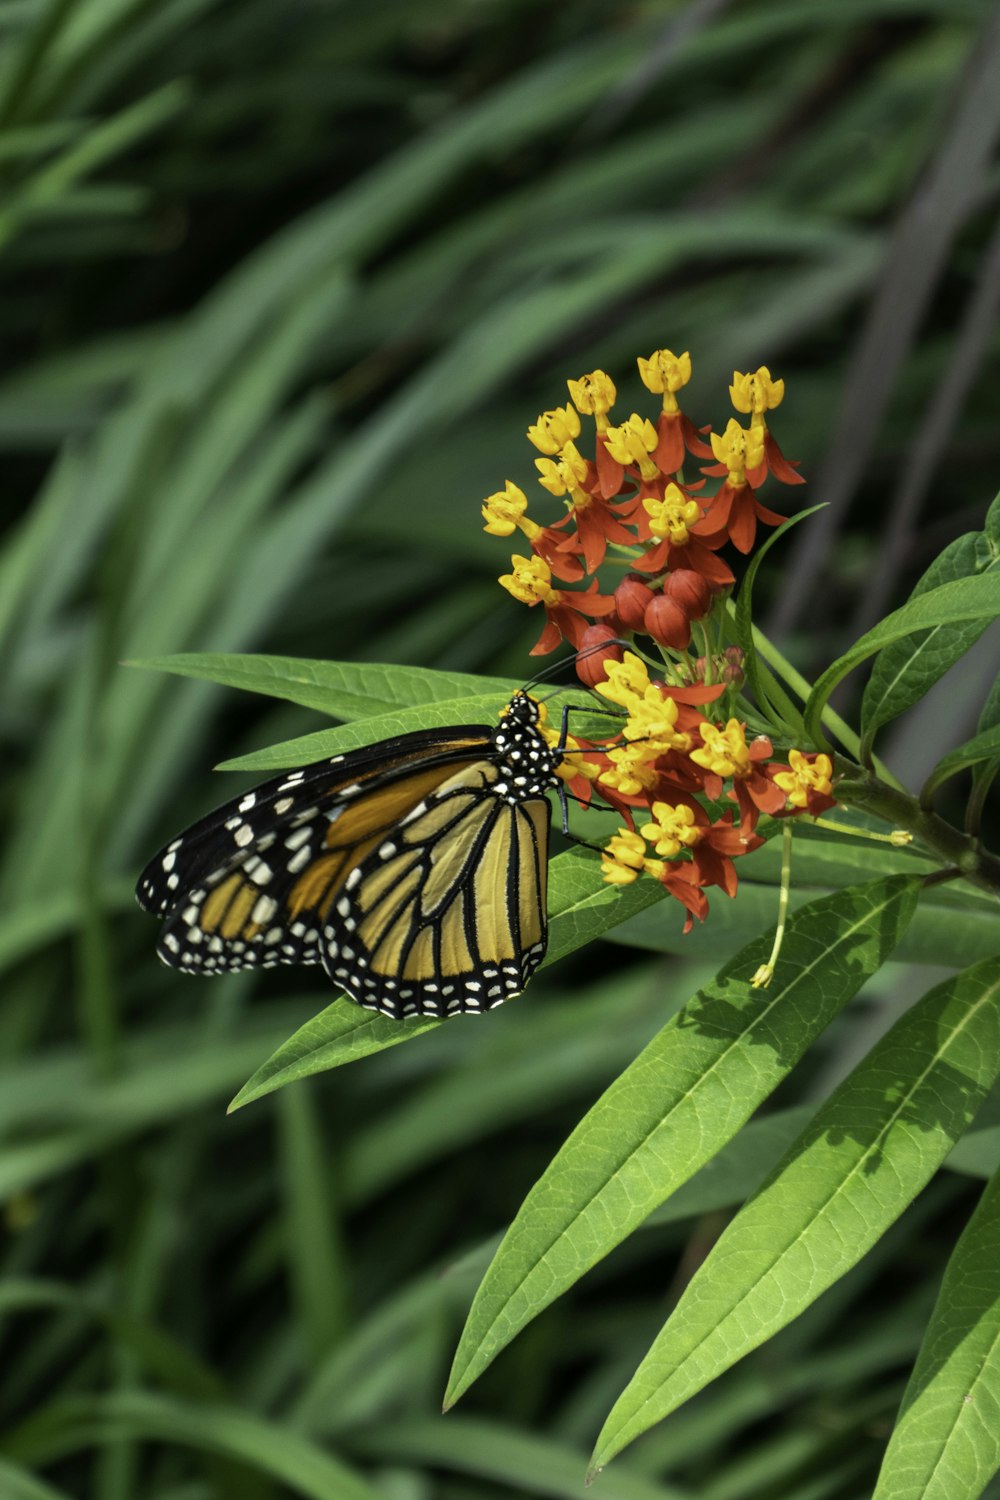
{"x":765,"y":973}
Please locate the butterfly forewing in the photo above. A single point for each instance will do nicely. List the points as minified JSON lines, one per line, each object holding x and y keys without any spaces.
{"x":250,"y":884}
{"x":448,"y":913}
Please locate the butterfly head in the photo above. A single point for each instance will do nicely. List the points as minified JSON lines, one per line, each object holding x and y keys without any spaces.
{"x":525,"y":760}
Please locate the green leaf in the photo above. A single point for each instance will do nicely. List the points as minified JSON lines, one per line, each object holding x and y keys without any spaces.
{"x":344,"y":690}
{"x":386,"y":724}
{"x":905,"y":671}
{"x":738,"y":1169}
{"x":982,"y":747}
{"x":953,"y":603}
{"x":946,"y":1443}
{"x":866,"y":1154}
{"x":580,"y":908}
{"x":681,"y":1100}
{"x":743,"y":621}
{"x":984,"y":772}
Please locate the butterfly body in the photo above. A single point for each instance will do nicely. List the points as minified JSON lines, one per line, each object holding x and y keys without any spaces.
{"x":413,"y":870}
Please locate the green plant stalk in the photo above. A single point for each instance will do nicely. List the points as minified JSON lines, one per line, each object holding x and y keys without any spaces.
{"x":958,"y":851}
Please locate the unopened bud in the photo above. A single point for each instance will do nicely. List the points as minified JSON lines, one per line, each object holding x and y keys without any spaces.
{"x":590,"y":659}
{"x":632,"y":598}
{"x":667,"y":623}
{"x":688,"y":589}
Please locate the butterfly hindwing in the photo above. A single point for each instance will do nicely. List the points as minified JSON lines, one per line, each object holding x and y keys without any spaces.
{"x":447,"y":914}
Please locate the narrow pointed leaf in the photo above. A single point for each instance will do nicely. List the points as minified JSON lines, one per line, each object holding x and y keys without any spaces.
{"x":905,"y":671}
{"x":344,"y":690}
{"x":685,"y":1095}
{"x":864,"y":1157}
{"x":982,"y":747}
{"x":946,"y":1445}
{"x":954,"y":603}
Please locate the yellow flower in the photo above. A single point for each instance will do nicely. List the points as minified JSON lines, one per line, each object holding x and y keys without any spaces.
{"x":672,"y":829}
{"x":633,"y":442}
{"x":504,"y":511}
{"x":665,"y":372}
{"x":653,"y":718}
{"x":632,"y":768}
{"x":804,"y":777}
{"x":671,"y":516}
{"x":563,"y":476}
{"x":625,"y":680}
{"x":756,"y":393}
{"x":531,"y":581}
{"x":725,"y":750}
{"x":554,"y":429}
{"x":738,"y":449}
{"x":594,"y":395}
{"x":624,"y":858}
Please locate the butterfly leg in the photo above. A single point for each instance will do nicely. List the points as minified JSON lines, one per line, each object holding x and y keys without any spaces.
{"x":561,"y":791}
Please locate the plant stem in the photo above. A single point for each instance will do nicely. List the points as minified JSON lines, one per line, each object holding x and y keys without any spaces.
{"x":866,"y":792}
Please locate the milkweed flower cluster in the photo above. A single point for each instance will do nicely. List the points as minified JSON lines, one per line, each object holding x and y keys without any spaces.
{"x":628,"y":505}
{"x":705,"y":784}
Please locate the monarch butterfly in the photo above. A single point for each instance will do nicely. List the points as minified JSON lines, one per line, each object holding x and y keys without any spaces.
{"x":414,"y":870}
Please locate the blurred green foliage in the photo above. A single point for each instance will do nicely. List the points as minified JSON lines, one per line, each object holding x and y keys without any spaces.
{"x":282,"y":287}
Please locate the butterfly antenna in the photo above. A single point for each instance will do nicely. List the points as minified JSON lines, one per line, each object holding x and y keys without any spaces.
{"x":557,"y":666}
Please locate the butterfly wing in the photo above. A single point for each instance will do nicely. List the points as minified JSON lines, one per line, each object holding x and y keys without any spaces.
{"x":447,"y":913}
{"x":251,"y":884}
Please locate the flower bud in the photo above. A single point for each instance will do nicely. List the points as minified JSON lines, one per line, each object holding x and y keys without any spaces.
{"x":667,"y":623}
{"x":590,"y":659}
{"x":688,"y":589}
{"x":732,"y":667}
{"x":632,"y":597}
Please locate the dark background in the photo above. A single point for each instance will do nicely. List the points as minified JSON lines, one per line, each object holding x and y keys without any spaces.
{"x":283,"y":286}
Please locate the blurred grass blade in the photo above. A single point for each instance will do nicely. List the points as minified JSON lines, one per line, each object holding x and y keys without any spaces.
{"x":316,"y":1255}
{"x":102,"y":142}
{"x":865,"y":1155}
{"x":682,"y":1099}
{"x":76,"y":1422}
{"x":520,"y":1461}
{"x":18,"y":1484}
{"x":946,"y":1445}
{"x":159,"y":1354}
